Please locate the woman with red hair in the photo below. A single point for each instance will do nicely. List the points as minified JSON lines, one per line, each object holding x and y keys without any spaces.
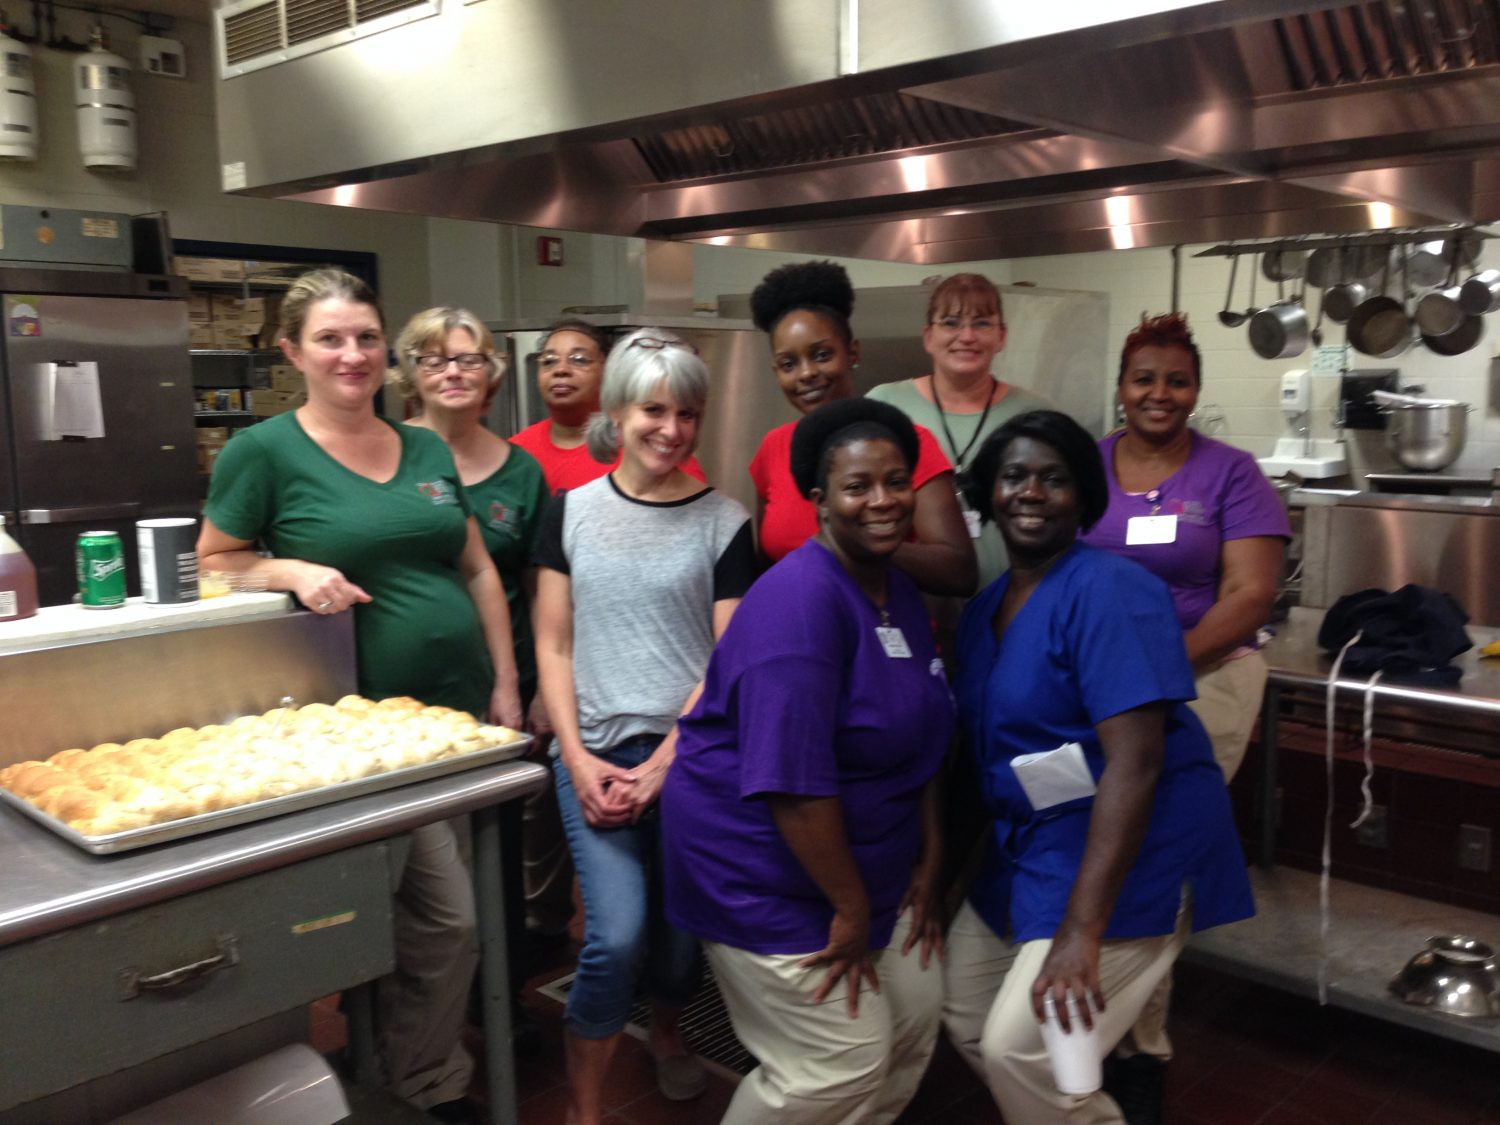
{"x":1200,"y":515}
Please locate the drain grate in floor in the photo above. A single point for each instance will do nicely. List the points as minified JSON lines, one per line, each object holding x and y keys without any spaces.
{"x":705,"y":1023}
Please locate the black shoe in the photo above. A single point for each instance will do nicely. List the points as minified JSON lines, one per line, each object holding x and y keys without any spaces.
{"x":1139,"y":1086}
{"x":460,"y":1111}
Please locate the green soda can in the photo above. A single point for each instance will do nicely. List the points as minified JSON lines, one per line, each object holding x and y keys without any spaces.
{"x":100,"y":560}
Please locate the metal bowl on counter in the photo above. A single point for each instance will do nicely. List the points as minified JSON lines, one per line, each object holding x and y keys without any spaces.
{"x":1427,"y":437}
{"x":1453,"y":974}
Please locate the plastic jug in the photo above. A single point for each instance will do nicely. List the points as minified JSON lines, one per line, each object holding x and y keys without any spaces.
{"x":17,"y":579}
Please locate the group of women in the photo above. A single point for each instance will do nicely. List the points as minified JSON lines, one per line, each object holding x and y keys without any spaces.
{"x":765,"y":782}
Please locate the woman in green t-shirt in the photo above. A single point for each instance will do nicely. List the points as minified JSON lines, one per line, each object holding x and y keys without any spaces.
{"x":361,"y":514}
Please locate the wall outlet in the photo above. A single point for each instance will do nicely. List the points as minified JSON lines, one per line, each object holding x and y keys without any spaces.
{"x":1474,"y":848}
{"x":1374,"y":831}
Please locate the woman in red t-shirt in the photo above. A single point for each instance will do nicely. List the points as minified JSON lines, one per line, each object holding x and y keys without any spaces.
{"x":804,"y":307}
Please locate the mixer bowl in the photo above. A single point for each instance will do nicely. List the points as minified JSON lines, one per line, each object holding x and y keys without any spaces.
{"x":1427,"y":438}
{"x":1454,"y":974}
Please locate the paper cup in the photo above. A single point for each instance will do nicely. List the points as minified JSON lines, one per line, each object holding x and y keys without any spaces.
{"x":169,"y":560}
{"x":1077,"y":1065}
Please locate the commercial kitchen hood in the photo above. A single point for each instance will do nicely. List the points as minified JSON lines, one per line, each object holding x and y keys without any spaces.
{"x":929,"y":131}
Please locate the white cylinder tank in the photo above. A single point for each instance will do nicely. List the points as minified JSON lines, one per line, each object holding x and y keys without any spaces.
{"x":18,"y":132}
{"x":106,"y":109}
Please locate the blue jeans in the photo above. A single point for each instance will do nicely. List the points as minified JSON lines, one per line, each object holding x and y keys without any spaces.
{"x":624,"y":927}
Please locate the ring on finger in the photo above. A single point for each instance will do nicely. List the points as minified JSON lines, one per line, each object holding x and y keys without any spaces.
{"x":325,"y":605}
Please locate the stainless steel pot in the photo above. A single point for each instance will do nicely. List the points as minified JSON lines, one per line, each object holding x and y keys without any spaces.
{"x":1460,"y":340}
{"x":1283,"y":265}
{"x":1340,"y":301}
{"x":1481,"y":293}
{"x":1439,"y":313}
{"x":1427,"y":438}
{"x":1279,"y":331}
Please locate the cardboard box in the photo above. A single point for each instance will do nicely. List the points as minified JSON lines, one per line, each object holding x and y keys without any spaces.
{"x":228,"y":309}
{"x":200,"y":307}
{"x":285,"y":377}
{"x":200,"y":334}
{"x":266,"y":403}
{"x":233,"y":336}
{"x":209,"y":269}
{"x":211,"y":435}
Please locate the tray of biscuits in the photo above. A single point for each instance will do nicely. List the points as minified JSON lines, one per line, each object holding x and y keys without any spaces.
{"x":114,"y":797}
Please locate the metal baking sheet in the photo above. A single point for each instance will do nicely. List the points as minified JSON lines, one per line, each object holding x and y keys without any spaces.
{"x":260,"y":810}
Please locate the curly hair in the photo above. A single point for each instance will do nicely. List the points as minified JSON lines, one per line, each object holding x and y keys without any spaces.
{"x":1053,"y":428}
{"x":829,"y":428}
{"x":1169,"y":330}
{"x":820,"y":287}
{"x":428,"y":329}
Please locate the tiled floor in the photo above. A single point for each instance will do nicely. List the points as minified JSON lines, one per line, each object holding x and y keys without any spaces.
{"x":1244,"y":1054}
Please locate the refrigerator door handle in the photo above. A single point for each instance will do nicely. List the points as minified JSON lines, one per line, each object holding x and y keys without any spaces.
{"x":80,"y":515}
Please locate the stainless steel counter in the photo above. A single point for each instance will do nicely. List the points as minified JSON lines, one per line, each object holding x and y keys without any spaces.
{"x":1296,"y":661}
{"x":47,"y":884}
{"x":50,"y":891}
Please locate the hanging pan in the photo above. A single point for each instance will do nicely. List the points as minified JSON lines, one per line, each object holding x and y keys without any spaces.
{"x":1380,"y":326}
{"x":1279,"y":331}
{"x":1460,"y":339}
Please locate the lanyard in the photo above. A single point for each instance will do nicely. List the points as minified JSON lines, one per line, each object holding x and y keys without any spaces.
{"x":958,"y":457}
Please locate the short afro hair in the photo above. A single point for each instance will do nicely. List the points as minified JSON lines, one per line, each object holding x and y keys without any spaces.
{"x":837,"y":424}
{"x":1073,"y":444}
{"x":820,"y":287}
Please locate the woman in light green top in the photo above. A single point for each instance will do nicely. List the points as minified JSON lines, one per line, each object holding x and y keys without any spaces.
{"x":962,"y":402}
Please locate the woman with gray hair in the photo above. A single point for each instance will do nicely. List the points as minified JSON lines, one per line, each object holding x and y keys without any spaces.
{"x":639,"y":573}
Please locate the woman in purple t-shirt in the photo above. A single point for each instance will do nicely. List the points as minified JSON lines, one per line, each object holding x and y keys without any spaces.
{"x":1201,"y":516}
{"x":800,"y":817}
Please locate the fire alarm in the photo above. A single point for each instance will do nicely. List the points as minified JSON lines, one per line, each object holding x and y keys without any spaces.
{"x":549,"y":251}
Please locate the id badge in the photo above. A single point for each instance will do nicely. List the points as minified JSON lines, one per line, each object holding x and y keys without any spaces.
{"x":893,"y":641}
{"x":971,"y":521}
{"x":1142,"y":531}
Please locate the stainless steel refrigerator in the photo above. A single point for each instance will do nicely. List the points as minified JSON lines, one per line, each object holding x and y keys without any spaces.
{"x":96,"y":412}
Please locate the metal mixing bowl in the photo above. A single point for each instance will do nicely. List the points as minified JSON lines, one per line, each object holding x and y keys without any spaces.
{"x":1427,"y":438}
{"x":1454,"y":974}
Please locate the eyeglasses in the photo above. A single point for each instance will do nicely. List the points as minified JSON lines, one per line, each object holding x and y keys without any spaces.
{"x":434,"y":364}
{"x":956,"y":323}
{"x":656,"y":344}
{"x":549,"y":361}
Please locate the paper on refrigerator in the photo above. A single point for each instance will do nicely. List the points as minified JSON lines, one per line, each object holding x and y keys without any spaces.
{"x":68,"y":401}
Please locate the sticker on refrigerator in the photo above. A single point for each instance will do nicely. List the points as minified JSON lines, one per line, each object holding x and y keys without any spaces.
{"x":24,"y":319}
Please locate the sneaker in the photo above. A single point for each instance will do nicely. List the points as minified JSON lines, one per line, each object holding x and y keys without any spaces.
{"x":681,"y":1078}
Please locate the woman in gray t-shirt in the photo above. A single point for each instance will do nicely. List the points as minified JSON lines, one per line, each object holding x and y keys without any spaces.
{"x":638,"y":574}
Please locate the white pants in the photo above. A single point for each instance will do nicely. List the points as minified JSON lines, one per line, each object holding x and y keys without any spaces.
{"x":818,"y":1066}
{"x":1008,"y":1044}
{"x":419,"y":1008}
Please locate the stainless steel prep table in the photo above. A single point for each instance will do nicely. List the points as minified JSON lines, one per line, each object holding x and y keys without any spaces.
{"x":48,"y":887}
{"x":1295,"y":661}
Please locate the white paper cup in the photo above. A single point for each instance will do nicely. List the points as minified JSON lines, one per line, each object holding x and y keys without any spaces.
{"x":1077,"y":1066}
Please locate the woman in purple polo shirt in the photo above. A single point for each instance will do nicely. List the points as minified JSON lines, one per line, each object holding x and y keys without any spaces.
{"x":1201,"y":516}
{"x":800,"y":817}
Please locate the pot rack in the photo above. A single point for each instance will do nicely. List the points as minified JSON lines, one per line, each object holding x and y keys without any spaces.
{"x":1395,"y":236}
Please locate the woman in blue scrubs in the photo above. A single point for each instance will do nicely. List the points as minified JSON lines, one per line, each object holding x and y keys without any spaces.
{"x":1112,"y":830}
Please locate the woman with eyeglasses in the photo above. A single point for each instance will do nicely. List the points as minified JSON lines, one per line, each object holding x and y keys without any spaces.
{"x":569,"y":368}
{"x":363,"y":515}
{"x":804,"y":308}
{"x":962,"y":402}
{"x":639,"y":573}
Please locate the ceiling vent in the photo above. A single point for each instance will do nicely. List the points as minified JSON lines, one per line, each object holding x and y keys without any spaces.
{"x":254,"y":34}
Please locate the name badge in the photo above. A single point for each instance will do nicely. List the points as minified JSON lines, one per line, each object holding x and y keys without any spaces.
{"x":893,"y":641}
{"x":971,"y":521}
{"x":1142,"y":531}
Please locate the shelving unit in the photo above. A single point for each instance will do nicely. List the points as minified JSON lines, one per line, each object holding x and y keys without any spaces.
{"x":239,"y":376}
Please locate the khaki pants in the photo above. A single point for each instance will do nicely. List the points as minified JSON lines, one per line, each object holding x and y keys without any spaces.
{"x":818,"y":1066}
{"x":419,"y":1007}
{"x":1008,"y":1043}
{"x":1229,"y":699}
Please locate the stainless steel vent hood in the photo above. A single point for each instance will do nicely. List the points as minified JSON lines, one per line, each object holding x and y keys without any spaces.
{"x":929,"y":131}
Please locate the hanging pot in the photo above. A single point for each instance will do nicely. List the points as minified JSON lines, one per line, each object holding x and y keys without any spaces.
{"x":1439,"y":313}
{"x":1481,"y":293}
{"x":1279,"y":331}
{"x":1283,"y":265}
{"x":1430,"y":262}
{"x":1340,"y":302}
{"x":1364,"y":263}
{"x":1460,"y":339}
{"x":1326,"y":267}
